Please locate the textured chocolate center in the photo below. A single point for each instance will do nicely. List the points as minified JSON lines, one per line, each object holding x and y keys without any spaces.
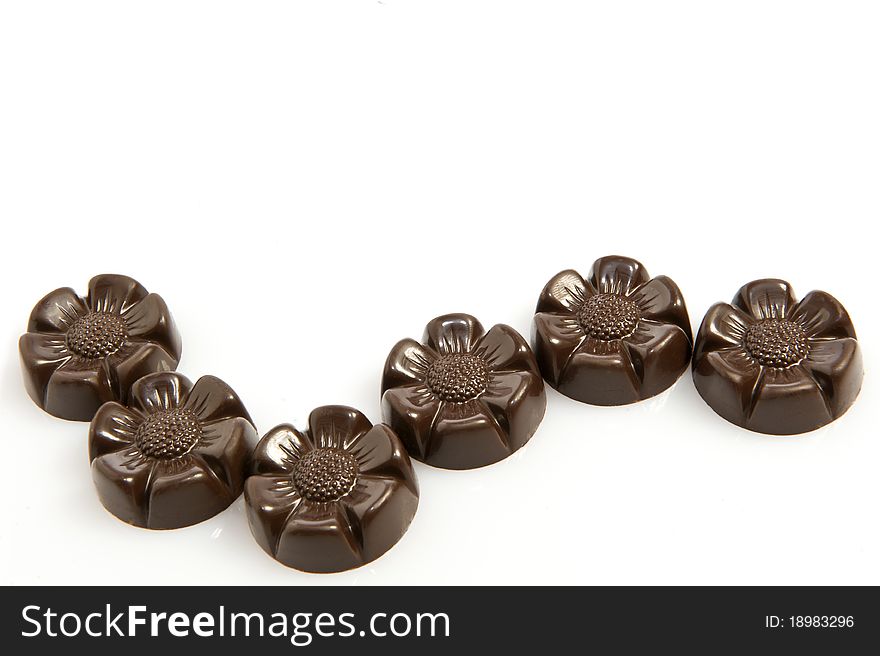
{"x":325,"y":474}
{"x":777,"y":343}
{"x":608,"y":316}
{"x":97,"y":335}
{"x":458,"y":377}
{"x":168,"y":434}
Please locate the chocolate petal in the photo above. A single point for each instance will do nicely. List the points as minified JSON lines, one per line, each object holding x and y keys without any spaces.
{"x":279,"y":450}
{"x":110,"y":292}
{"x":565,"y":293}
{"x":555,"y":338}
{"x":836,"y":366}
{"x":113,"y":428}
{"x":122,"y":479}
{"x":407,"y":363}
{"x":186,"y":491}
{"x":336,"y":426}
{"x":600,"y":373}
{"x":723,"y":327}
{"x":788,"y":401}
{"x":40,"y":355}
{"x":411,"y":411}
{"x":150,"y":320}
{"x":616,"y":274}
{"x":160,"y":391}
{"x":769,"y":298}
{"x":211,"y":400}
{"x":379,"y":452}
{"x":269,"y":503}
{"x":136,"y":361}
{"x":321,"y":537}
{"x":516,"y":399}
{"x":504,"y":349}
{"x":466,"y":436}
{"x":822,"y":315}
{"x":57,"y":311}
{"x":453,"y":333}
{"x":226,"y":447}
{"x":660,"y":353}
{"x":661,"y":300}
{"x":77,"y":389}
{"x":383,"y":509}
{"x":728,"y":381}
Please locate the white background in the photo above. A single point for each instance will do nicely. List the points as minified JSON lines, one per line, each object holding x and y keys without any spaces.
{"x":306,"y":183}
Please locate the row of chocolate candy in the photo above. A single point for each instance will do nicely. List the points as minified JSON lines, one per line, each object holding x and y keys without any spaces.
{"x":765,"y":361}
{"x":166,"y":453}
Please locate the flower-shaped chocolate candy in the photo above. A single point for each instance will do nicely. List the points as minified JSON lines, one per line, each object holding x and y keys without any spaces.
{"x":333,"y":497}
{"x":177,"y":455}
{"x":465,"y":398}
{"x":617,"y":337}
{"x":775,"y":365}
{"x":79,"y":353}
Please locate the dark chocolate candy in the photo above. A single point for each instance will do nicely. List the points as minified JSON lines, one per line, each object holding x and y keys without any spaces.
{"x":79,"y":353}
{"x":177,"y":455}
{"x":617,"y":337}
{"x":465,"y":398}
{"x":774,"y":365}
{"x":333,"y":497}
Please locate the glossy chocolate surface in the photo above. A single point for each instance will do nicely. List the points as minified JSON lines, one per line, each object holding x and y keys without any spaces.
{"x":771,"y":364}
{"x":332,"y":497}
{"x":616,"y":337}
{"x":177,"y":455}
{"x":81,"y":352}
{"x":464,"y":397}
